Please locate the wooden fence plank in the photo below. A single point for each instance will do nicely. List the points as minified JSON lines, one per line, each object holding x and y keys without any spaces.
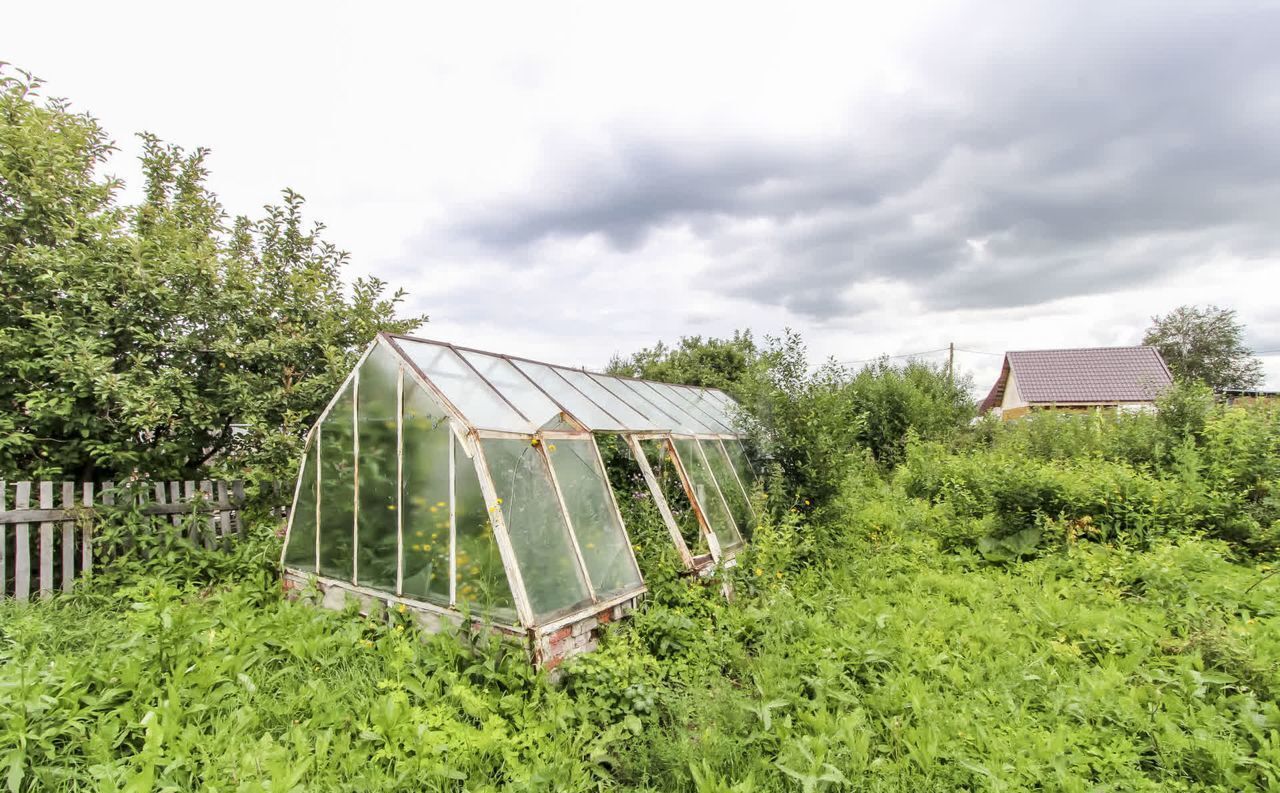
{"x":193,"y":526}
{"x":237,"y":493}
{"x":4,"y":541}
{"x":86,"y":532}
{"x":224,"y":515}
{"x":52,"y":557}
{"x":46,"y":542}
{"x":175,"y":497}
{"x":22,"y":545}
{"x":208,"y":526}
{"x":68,"y":538}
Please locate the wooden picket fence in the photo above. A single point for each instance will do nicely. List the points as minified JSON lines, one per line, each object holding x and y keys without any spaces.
{"x":46,"y":538}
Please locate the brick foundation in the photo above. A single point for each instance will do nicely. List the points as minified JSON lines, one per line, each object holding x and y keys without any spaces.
{"x":546,"y":650}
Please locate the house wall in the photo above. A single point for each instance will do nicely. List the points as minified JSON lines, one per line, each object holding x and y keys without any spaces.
{"x":1012,"y":396}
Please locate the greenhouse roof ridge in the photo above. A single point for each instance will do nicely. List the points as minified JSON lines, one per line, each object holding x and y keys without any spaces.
{"x":511,"y":393}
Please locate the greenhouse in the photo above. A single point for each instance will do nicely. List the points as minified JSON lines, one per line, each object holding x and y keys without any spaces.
{"x":467,"y":485}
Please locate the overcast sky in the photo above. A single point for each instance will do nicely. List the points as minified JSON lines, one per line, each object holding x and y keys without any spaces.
{"x":570,"y":181}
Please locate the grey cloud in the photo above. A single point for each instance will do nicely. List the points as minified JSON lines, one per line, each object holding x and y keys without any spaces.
{"x":1093,"y":151}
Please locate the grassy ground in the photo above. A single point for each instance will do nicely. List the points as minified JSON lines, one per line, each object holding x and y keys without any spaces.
{"x":894,"y":667}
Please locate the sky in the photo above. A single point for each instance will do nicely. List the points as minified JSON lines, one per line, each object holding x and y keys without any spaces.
{"x":571,"y":181}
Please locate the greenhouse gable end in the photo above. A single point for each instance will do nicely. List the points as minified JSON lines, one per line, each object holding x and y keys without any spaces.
{"x":467,"y":485}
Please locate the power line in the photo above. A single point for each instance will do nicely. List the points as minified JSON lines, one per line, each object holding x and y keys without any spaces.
{"x":903,"y":355}
{"x":922,"y":352}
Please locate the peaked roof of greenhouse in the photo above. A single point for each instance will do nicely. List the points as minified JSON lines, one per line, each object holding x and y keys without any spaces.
{"x":506,"y":393}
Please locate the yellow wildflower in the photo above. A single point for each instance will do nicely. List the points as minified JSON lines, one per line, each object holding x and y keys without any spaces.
{"x":551,"y":447}
{"x":439,"y":503}
{"x":759,"y":571}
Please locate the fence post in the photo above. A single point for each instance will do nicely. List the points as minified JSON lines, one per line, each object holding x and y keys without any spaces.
{"x":4,"y":540}
{"x":22,"y":544}
{"x":68,"y":537}
{"x":46,"y":542}
{"x":86,"y":532}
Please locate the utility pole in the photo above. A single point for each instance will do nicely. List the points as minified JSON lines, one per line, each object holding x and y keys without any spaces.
{"x":951,"y":364}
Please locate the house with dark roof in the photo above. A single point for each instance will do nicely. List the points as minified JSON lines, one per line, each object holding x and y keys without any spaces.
{"x":1126,"y":378}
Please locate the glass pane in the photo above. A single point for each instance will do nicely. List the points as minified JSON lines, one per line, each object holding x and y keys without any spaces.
{"x":741,"y":464}
{"x":515,"y":387}
{"x":705,"y":412}
{"x":337,"y":489}
{"x":704,"y":487}
{"x":658,"y":455}
{"x":722,"y":469}
{"x":425,"y":496}
{"x":301,"y":553}
{"x":657,"y":418}
{"x":604,"y":543}
{"x":479,"y":403}
{"x":698,"y":422}
{"x":605,"y":399}
{"x":538,"y":532}
{"x":725,"y":415}
{"x":376,"y":464}
{"x":684,"y":422}
{"x":481,"y":577}
{"x":577,"y":404}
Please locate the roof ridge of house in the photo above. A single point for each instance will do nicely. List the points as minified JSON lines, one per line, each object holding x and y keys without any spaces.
{"x":1088,"y":349}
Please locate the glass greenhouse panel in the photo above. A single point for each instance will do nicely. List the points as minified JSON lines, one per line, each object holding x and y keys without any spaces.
{"x":570,"y":397}
{"x":376,"y":464}
{"x":539,"y":534}
{"x":680,"y":420}
{"x":478,"y":402}
{"x":738,"y":454}
{"x":658,"y":454}
{"x":604,"y":544}
{"x":424,"y":497}
{"x":657,"y":417}
{"x":697,"y":422}
{"x":708,"y":494}
{"x":337,"y":488}
{"x":702,"y":408}
{"x":605,"y":399}
{"x":722,"y":469}
{"x":301,"y":553}
{"x":515,"y":387}
{"x":482,"y":585}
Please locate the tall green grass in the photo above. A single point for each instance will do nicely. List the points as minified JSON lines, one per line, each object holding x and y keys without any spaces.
{"x":872,"y":646}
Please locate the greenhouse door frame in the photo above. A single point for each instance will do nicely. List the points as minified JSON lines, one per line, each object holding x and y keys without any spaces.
{"x":718,"y":553}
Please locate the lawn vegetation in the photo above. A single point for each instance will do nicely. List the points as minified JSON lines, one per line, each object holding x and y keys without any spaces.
{"x":1064,"y":603}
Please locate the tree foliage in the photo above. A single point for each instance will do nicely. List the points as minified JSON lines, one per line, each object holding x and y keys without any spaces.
{"x":814,"y":422}
{"x":710,"y":362}
{"x":1205,"y":344}
{"x":158,"y":339}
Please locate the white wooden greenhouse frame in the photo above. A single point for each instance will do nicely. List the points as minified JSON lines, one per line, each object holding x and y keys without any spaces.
{"x":460,"y":449}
